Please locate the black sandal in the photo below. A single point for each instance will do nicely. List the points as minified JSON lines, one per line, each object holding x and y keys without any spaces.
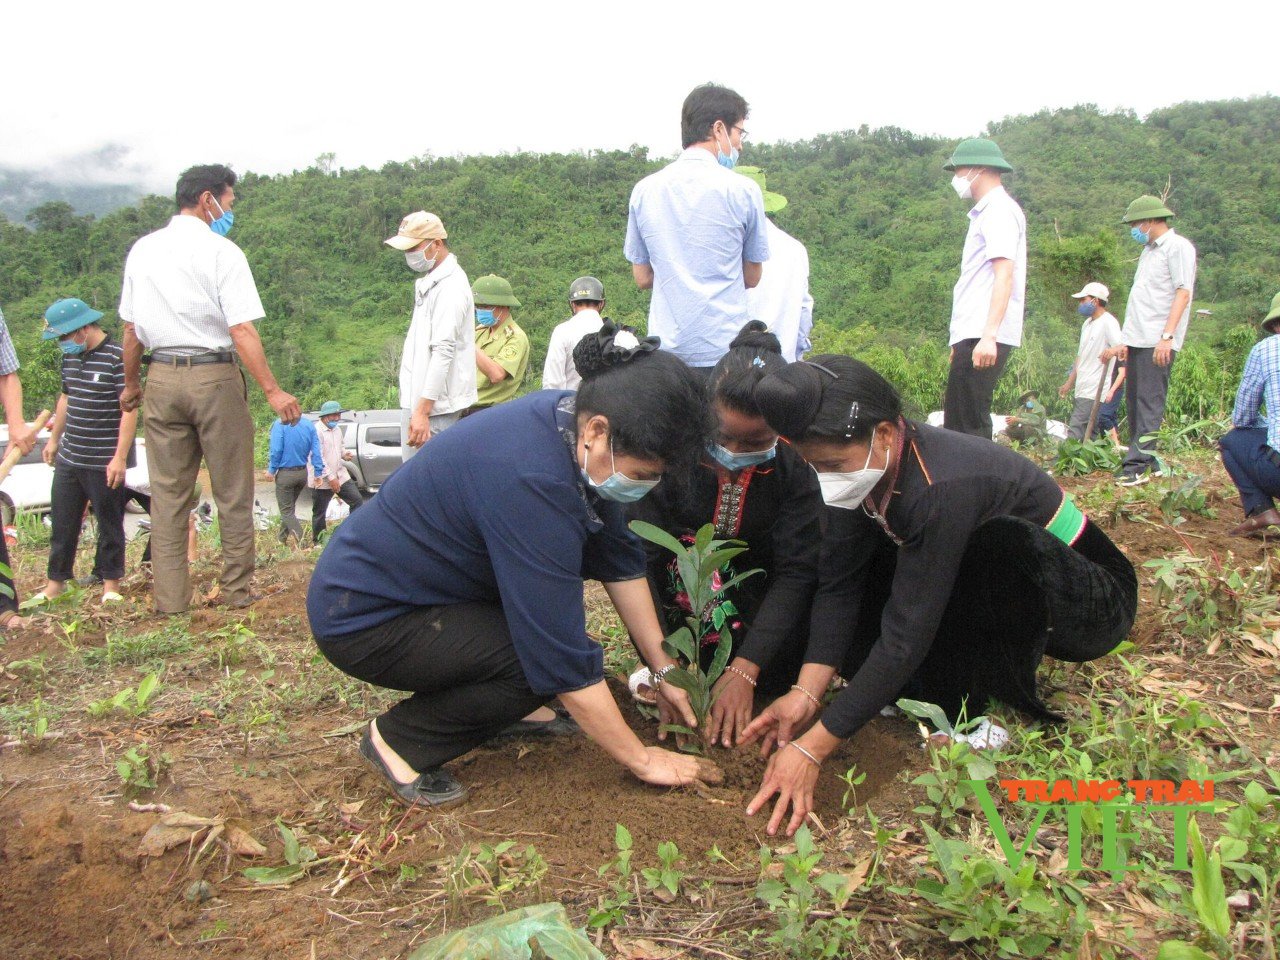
{"x":432,"y":788}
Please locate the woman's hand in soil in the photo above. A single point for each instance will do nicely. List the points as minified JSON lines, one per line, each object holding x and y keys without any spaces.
{"x":792,"y":776}
{"x":777,"y":722}
{"x":662,"y":768}
{"x":674,"y":707}
{"x":733,"y":699}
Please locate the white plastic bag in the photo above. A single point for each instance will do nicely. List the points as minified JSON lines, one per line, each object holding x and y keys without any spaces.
{"x":337,"y":510}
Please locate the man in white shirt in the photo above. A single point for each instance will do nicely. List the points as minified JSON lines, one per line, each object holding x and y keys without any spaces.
{"x":437,"y":367}
{"x":189,"y":298}
{"x":987,"y":303}
{"x":781,"y":300}
{"x":1155,"y":325}
{"x":696,"y":233}
{"x":586,"y":300}
{"x":1091,"y":373}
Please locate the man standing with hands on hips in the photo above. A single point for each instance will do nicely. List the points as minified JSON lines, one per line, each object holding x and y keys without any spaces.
{"x":190,"y":300}
{"x":1155,"y":324}
{"x":987,"y":304}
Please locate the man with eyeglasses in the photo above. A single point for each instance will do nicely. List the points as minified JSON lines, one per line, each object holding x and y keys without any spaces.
{"x":696,"y":233}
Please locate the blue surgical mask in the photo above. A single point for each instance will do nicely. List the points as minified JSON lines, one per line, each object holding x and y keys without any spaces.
{"x":1139,"y":235}
{"x":740,"y":461}
{"x":1085,"y":309}
{"x":70,"y":348}
{"x":618,"y":487}
{"x":331,"y":424}
{"x":222,"y":226}
{"x":486,"y":318}
{"x":727,"y":160}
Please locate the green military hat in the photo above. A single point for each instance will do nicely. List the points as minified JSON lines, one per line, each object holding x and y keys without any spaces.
{"x":494,"y":291}
{"x":977,"y":152}
{"x":773,"y":202}
{"x":330,"y":407}
{"x":1147,"y":207}
{"x":1029,"y":395}
{"x":1269,"y":321}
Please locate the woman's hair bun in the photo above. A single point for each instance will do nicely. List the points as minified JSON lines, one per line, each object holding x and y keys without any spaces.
{"x":789,"y":399}
{"x":755,"y":335}
{"x":613,"y":344}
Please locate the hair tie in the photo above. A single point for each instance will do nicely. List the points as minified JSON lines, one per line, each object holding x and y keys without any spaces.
{"x":757,"y":362}
{"x":611,"y":346}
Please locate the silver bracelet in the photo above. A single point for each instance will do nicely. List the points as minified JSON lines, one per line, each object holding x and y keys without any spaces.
{"x":812,"y":759}
{"x":660,"y":675}
{"x":816,"y":702}
{"x":738,"y":673}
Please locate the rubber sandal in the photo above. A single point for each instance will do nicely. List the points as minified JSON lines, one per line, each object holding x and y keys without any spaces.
{"x":640,"y":681}
{"x":36,"y":600}
{"x":558,"y":726}
{"x":112,"y":597}
{"x":433,"y":788}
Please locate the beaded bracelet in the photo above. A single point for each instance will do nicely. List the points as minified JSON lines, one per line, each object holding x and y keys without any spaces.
{"x":816,"y":702}
{"x":738,"y":673}
{"x":812,"y":759}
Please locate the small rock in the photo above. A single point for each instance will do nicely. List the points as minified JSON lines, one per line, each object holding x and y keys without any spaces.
{"x":199,"y":892}
{"x":1244,"y":900}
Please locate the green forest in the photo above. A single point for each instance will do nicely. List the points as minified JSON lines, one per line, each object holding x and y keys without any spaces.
{"x":883,"y":229}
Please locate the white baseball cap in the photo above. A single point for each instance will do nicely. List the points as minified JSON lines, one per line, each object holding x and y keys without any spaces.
{"x":1093,"y":289}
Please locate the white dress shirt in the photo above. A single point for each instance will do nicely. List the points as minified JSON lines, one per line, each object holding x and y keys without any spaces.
{"x":185,"y":287}
{"x":782,"y":297}
{"x":559,"y":373}
{"x":997,"y":230}
{"x":1166,"y":266}
{"x":439,"y":358}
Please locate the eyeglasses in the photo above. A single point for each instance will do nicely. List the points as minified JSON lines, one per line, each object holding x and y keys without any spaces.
{"x":742,"y":133}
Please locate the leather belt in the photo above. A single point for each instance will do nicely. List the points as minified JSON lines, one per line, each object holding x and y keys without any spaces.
{"x":220,"y":356}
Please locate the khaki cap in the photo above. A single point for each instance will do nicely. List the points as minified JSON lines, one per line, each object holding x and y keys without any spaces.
{"x":415,"y":228}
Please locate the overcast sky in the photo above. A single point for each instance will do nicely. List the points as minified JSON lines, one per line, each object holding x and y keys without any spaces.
{"x":134,"y":92}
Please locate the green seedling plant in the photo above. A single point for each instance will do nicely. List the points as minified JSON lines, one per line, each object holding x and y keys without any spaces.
{"x":950,"y":762}
{"x":491,"y":872}
{"x":1208,"y":902}
{"x":1184,"y":498}
{"x":1078,"y":458}
{"x":667,"y":876}
{"x":1002,"y":912}
{"x":699,"y":567}
{"x":793,"y":897}
{"x":138,"y":769}
{"x":134,"y":702}
{"x":610,"y":909}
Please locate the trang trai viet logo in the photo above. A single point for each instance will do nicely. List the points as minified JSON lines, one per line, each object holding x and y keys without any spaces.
{"x":1111,"y":806}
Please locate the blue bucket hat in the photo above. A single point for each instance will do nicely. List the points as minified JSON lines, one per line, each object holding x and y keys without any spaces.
{"x":330,"y":407}
{"x":66,"y":317}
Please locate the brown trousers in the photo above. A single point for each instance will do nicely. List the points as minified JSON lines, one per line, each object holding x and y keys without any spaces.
{"x":193,"y":413}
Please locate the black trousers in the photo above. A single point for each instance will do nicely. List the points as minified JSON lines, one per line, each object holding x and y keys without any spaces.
{"x":1146,"y":390}
{"x":966,"y":408}
{"x":459,"y":663}
{"x":349,"y":492}
{"x":1021,"y":594}
{"x":74,"y":488}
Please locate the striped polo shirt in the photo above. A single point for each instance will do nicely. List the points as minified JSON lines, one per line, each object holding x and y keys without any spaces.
{"x":92,"y":382}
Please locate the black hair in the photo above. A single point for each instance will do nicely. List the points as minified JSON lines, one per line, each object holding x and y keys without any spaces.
{"x":595,"y":305}
{"x":655,"y":404}
{"x":704,"y":106}
{"x":194,"y":182}
{"x":753,"y":353}
{"x":828,"y":397}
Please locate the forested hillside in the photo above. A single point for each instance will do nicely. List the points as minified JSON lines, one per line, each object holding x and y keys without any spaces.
{"x":874,"y":207}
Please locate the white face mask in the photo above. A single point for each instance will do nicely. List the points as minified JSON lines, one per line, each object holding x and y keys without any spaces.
{"x":848,"y":490}
{"x":963,"y":186}
{"x":418,"y":262}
